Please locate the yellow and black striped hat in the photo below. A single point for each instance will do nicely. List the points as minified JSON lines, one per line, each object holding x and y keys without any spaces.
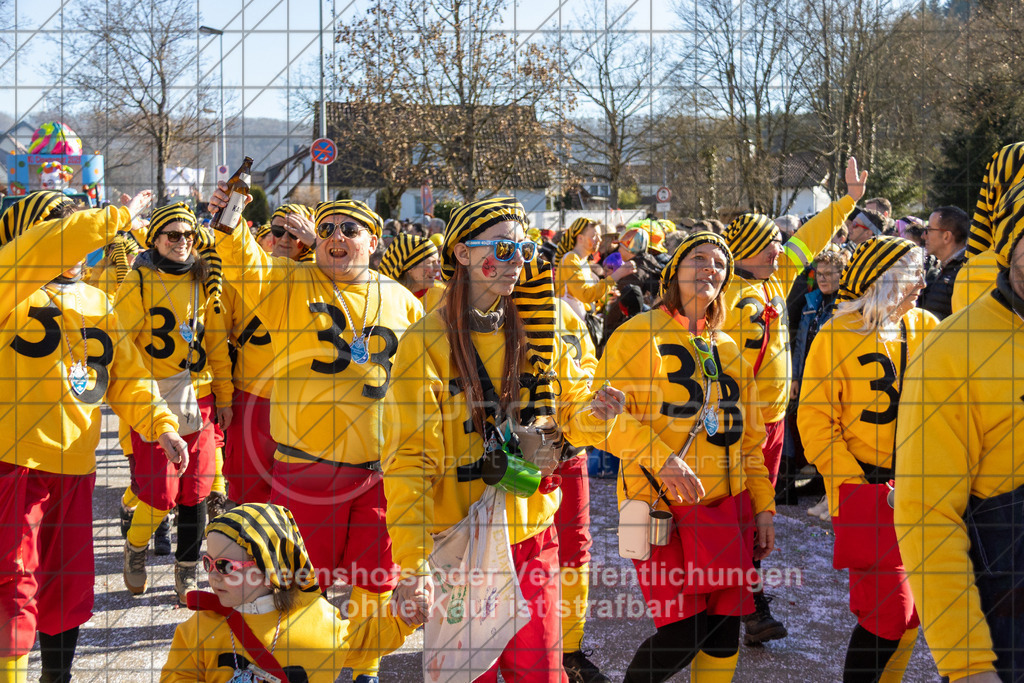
{"x":1008,"y":224}
{"x":306,"y":252}
{"x":569,"y":237}
{"x":118,"y":252}
{"x":29,"y":212}
{"x":1005,"y":170}
{"x":869,"y":261}
{"x":165,"y":215}
{"x":262,"y":231}
{"x":269,"y":534}
{"x":206,"y":246}
{"x":669,"y":272}
{"x":353,"y":208}
{"x":285,"y":209}
{"x":749,"y":234}
{"x":469,"y":220}
{"x":404,"y":252}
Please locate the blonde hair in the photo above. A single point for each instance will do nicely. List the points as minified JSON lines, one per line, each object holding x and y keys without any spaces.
{"x":885,"y":295}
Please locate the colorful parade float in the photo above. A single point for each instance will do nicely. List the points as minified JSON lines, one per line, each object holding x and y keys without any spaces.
{"x":54,"y":161}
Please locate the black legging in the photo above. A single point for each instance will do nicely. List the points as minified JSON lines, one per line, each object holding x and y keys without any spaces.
{"x":673,"y":647}
{"x":867,"y":656}
{"x":191,"y":525}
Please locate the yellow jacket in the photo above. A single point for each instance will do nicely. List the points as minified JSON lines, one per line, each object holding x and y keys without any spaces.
{"x":849,"y":398}
{"x":43,"y":424}
{"x":434,"y":297}
{"x":576,"y":341}
{"x":432,"y":439}
{"x":746,"y":299}
{"x":976,"y":277}
{"x":577,"y":280}
{"x":253,"y":370}
{"x":959,"y":435}
{"x":152,"y":305}
{"x":651,"y":359}
{"x":323,"y":404}
{"x":313,"y":638}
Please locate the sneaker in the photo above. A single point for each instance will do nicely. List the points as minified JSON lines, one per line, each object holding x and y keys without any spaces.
{"x":761,"y":626}
{"x":162,"y":537}
{"x":185,"y":579}
{"x":216,"y":505}
{"x":135,"y":578}
{"x":580,"y":669}
{"x":819,"y":508}
{"x":126,"y":515}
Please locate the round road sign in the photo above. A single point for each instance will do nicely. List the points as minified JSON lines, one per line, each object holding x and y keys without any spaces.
{"x":323,"y":151}
{"x":663,"y":194}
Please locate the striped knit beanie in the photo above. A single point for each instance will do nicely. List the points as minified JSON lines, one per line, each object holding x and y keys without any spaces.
{"x":353,"y":208}
{"x":30,"y":211}
{"x":165,"y":215}
{"x":569,"y":237}
{"x":749,"y":233}
{"x":404,"y":252}
{"x":870,"y":260}
{"x":1005,"y":170}
{"x":669,"y":272}
{"x":269,"y":534}
{"x":1008,"y":224}
{"x":469,"y":220}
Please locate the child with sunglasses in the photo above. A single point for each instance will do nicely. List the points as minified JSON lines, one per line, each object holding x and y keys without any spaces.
{"x":266,"y":614}
{"x":690,"y":444}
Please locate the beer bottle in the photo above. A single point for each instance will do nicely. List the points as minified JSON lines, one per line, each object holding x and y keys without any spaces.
{"x":227,"y":218}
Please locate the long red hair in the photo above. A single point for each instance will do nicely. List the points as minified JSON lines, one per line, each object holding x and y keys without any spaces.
{"x":456,"y":313}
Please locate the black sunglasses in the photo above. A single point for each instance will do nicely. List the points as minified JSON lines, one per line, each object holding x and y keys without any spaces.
{"x":348,"y":229}
{"x":280,"y":231}
{"x":174,"y":236}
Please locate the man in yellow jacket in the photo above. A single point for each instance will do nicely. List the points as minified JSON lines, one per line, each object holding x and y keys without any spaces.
{"x":334,"y":327}
{"x":756,"y":309}
{"x":959,"y":500}
{"x":64,"y":352}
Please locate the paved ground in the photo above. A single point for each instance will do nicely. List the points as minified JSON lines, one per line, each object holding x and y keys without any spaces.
{"x":127,"y":639}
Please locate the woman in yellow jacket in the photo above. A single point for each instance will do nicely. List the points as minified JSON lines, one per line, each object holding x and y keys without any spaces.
{"x":459,"y":373}
{"x":847,"y":419}
{"x":64,"y":354}
{"x":413,"y":262}
{"x":163,"y":304}
{"x":576,"y":282}
{"x":690,"y":444}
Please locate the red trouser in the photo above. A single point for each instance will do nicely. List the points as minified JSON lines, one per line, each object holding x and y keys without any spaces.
{"x":534,"y":653}
{"x":155,"y":479}
{"x":46,"y":561}
{"x":340,"y":512}
{"x":882,"y":602}
{"x":249,"y":454}
{"x":772,"y":448}
{"x":572,"y":520}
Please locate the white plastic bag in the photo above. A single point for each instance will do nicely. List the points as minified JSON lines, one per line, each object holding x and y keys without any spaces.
{"x":479,"y":606}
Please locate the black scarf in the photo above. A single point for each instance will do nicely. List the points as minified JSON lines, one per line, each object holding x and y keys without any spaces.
{"x":1004,"y":294}
{"x":152,"y":259}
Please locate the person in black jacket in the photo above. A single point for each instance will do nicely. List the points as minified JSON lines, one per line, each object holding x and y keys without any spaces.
{"x":946,"y":240}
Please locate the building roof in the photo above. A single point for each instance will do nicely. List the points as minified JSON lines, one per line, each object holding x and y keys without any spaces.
{"x":501,"y":138}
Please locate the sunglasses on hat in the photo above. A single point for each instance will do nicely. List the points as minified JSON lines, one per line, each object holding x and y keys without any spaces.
{"x":505,"y":250}
{"x":174,"y":236}
{"x":349,"y":229}
{"x":224,"y":566}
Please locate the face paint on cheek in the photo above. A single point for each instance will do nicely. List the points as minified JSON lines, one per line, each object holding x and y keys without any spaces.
{"x":489,"y":267}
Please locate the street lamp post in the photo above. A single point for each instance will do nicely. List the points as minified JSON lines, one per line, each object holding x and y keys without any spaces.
{"x":209,"y":31}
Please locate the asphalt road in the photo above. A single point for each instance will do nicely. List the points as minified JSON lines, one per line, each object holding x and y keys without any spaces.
{"x":128,"y":637}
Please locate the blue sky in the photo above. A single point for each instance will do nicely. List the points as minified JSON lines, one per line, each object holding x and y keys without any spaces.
{"x":270,"y":46}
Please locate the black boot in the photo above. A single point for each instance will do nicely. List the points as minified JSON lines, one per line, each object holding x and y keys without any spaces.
{"x":57,"y":652}
{"x":162,"y":537}
{"x":580,"y":669}
{"x":761,"y":626}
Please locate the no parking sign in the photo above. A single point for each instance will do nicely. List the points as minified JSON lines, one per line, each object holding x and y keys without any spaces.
{"x":323,"y":151}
